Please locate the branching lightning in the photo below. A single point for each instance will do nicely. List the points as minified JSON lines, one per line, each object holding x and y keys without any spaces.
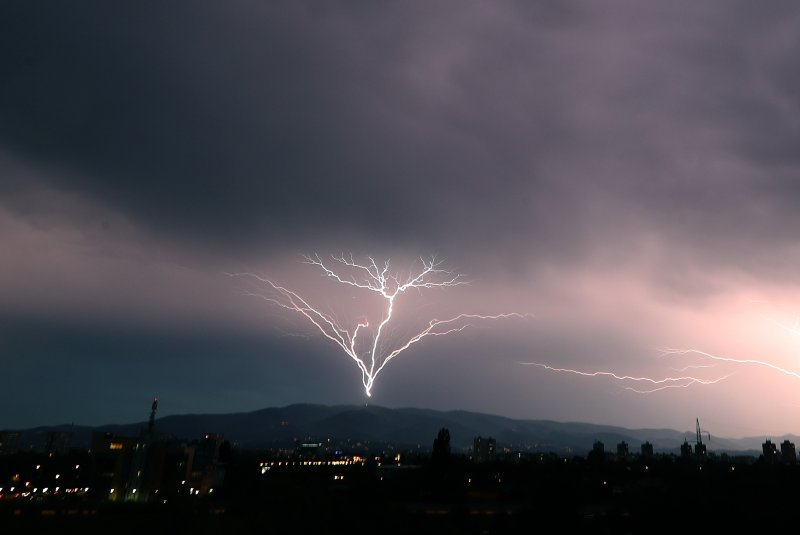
{"x":372,"y":355}
{"x":681,"y":381}
{"x":792,"y":328}
{"x":717,"y":358}
{"x":657,"y":384}
{"x":700,"y":360}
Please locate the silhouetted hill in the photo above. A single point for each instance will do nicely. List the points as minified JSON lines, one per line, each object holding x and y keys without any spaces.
{"x":406,"y":427}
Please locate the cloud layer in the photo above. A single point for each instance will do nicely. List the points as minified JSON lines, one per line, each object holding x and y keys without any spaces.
{"x":626,"y":172}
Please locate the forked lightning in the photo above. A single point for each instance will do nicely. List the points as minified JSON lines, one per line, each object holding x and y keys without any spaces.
{"x":372,"y":354}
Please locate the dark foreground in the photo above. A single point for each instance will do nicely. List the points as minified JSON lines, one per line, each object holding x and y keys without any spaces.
{"x":533,"y":496}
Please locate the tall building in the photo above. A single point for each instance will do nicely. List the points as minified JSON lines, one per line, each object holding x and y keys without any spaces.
{"x":112,"y":458}
{"x":9,"y":442}
{"x":622,"y":450}
{"x":483,"y":449}
{"x":598,"y":453}
{"x":207,"y":470}
{"x":58,"y":442}
{"x":133,"y":469}
{"x":647,"y":450}
{"x":788,"y":454}
{"x":700,"y":450}
{"x":769,"y":451}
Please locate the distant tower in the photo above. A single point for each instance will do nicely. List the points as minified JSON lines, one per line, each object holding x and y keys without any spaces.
{"x":622,"y":450}
{"x":152,"y":421}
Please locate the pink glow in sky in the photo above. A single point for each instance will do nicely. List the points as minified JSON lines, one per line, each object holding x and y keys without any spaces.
{"x":626,"y":174}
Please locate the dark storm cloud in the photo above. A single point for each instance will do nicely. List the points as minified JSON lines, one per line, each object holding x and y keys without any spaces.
{"x":589,"y":162}
{"x":78,"y":373}
{"x":245,"y":120}
{"x":257,"y":120}
{"x":547,"y":123}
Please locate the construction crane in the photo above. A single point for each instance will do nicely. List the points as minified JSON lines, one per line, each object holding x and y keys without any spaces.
{"x":700,"y":448}
{"x":699,"y":435}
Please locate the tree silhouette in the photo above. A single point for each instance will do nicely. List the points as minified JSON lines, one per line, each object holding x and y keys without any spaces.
{"x":441,"y":446}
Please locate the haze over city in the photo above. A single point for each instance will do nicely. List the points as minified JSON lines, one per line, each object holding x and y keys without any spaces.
{"x":624,"y":176}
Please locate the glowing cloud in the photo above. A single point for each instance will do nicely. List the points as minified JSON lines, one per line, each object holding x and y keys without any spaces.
{"x":368,"y":346}
{"x":695,"y":361}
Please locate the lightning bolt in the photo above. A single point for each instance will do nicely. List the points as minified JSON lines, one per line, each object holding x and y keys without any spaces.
{"x":702,"y":360}
{"x":657,"y":384}
{"x":371,"y":276}
{"x":792,"y":328}
{"x":717,"y":358}
{"x":682,"y":381}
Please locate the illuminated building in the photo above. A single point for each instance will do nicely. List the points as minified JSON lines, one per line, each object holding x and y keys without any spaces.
{"x":207,"y":469}
{"x":156,"y":467}
{"x":307,"y":449}
{"x":483,"y":449}
{"x":112,"y":458}
{"x":142,"y":469}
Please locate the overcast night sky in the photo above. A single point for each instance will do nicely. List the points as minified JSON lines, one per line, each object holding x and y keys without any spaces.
{"x":626,"y":172}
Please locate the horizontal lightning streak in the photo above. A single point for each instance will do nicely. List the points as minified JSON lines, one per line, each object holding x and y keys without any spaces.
{"x":717,"y":358}
{"x":693,"y":367}
{"x":682,"y":381}
{"x":660,"y":384}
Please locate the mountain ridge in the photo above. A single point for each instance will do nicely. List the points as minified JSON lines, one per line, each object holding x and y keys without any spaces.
{"x":407,"y":427}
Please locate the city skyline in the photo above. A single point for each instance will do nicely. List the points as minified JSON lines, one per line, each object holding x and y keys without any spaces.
{"x":624,"y":176}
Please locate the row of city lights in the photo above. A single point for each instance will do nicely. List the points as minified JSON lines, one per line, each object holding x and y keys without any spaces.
{"x":24,"y":492}
{"x":16,"y":477}
{"x":192,"y":491}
